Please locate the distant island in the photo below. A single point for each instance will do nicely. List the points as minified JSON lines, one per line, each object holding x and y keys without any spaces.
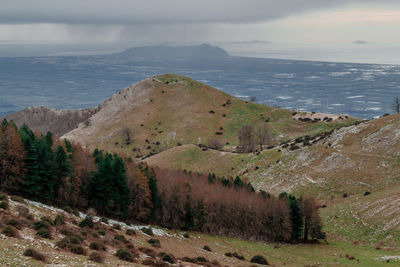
{"x":203,"y":51}
{"x":360,"y":42}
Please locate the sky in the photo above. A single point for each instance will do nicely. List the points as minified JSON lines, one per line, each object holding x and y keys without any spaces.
{"x":120,"y":23}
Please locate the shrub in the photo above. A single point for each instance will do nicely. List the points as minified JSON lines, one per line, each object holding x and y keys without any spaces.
{"x":345,"y":195}
{"x":4,"y":205}
{"x":116,"y":226}
{"x":259,"y":259}
{"x":18,"y":199}
{"x":130,"y":232}
{"x":97,"y":246}
{"x":104,"y":220}
{"x":67,"y":209}
{"x":148,"y":251}
{"x":228,"y":254}
{"x":40,"y":225}
{"x":30,"y":252}
{"x":44,"y":233}
{"x":237,"y":256}
{"x":121,"y":238}
{"x":96,"y":257}
{"x":48,"y":220}
{"x":15,"y":223}
{"x":22,"y":210}
{"x":78,"y":250}
{"x":200,"y":259}
{"x":3,"y":196}
{"x":367,"y":193}
{"x":124,"y":255}
{"x":169,"y":258}
{"x":186,"y":235}
{"x":154,"y":242}
{"x":59,"y":219}
{"x":207,"y":248}
{"x":147,"y":231}
{"x":10,"y":231}
{"x":102,"y":232}
{"x":87,"y":222}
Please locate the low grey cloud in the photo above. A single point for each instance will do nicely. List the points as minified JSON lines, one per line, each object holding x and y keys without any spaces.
{"x":160,"y":11}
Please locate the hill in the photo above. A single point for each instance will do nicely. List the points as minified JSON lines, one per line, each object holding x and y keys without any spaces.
{"x":355,"y":171}
{"x":57,"y":121}
{"x":165,"y":111}
{"x":204,"y":51}
{"x":109,"y":234}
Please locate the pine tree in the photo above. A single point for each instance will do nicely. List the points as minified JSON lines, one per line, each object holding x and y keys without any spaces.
{"x":188,"y":216}
{"x":155,"y":195}
{"x":296,"y":218}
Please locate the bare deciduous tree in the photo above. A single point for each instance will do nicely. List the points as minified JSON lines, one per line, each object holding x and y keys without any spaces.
{"x":246,"y":139}
{"x":262,"y":135}
{"x":396,"y":105}
{"x":127,"y":135}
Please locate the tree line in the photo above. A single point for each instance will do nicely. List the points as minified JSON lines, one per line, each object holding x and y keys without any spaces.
{"x":54,"y":171}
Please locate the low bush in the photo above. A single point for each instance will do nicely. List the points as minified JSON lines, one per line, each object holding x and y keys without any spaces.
{"x":96,"y":257}
{"x":78,"y":250}
{"x":15,"y":223}
{"x":130,"y":232}
{"x":48,"y":220}
{"x":97,"y":246}
{"x":259,"y":259}
{"x":87,"y":222}
{"x":30,"y":252}
{"x":41,"y":225}
{"x":186,"y":235}
{"x":116,"y":226}
{"x":18,"y":199}
{"x":10,"y":231}
{"x":148,"y":251}
{"x":44,"y":233}
{"x":121,"y":238}
{"x":3,"y":204}
{"x":124,"y":255}
{"x":147,"y":231}
{"x":207,"y":248}
{"x":169,"y":258}
{"x":3,"y":196}
{"x":102,"y":232}
{"x":237,"y":256}
{"x":154,"y":242}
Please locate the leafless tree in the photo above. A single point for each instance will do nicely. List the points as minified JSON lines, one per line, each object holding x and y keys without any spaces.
{"x":246,"y":139}
{"x":262,"y":135}
{"x":396,"y":105}
{"x":127,"y":135}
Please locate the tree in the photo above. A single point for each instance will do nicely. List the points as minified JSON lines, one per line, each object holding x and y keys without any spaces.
{"x":12,"y":158}
{"x":396,"y":105}
{"x":127,"y":135}
{"x":262,"y":135}
{"x":312,"y":220}
{"x":246,"y":139}
{"x":296,"y":218}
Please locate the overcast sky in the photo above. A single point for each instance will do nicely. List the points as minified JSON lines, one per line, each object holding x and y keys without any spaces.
{"x":333,"y":22}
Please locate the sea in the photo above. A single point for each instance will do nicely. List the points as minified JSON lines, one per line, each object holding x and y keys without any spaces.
{"x":297,"y":79}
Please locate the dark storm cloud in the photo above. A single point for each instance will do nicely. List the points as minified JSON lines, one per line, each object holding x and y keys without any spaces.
{"x":159,"y":11}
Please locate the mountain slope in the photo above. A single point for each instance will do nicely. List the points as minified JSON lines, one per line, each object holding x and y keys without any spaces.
{"x":57,"y":121}
{"x":172,"y":242}
{"x":164,"y":111}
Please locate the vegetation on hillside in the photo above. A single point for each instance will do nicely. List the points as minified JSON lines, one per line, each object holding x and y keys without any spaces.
{"x":58,"y":172}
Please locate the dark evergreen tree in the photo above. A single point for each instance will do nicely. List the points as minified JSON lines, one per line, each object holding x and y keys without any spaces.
{"x":296,"y":218}
{"x":188,"y":216}
{"x":155,"y":195}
